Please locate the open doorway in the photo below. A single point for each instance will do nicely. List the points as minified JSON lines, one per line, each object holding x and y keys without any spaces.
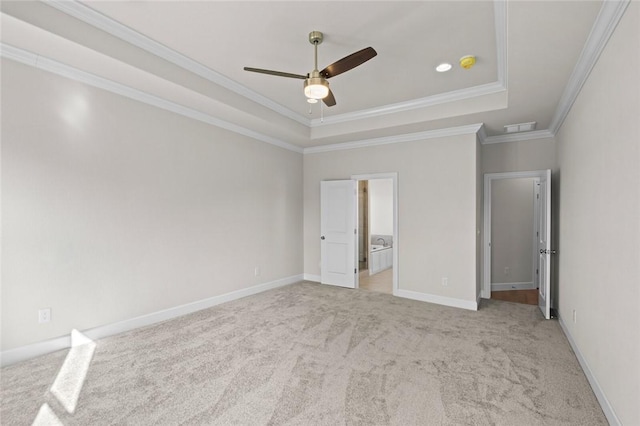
{"x":375,"y":235}
{"x":339,"y":236}
{"x":517,"y":238}
{"x":363,"y":225}
{"x":513,"y":240}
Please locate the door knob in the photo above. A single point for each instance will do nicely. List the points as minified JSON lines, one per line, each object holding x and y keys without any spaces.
{"x":322,"y":238}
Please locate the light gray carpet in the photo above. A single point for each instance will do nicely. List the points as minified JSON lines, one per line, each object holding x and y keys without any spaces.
{"x":310,"y":354}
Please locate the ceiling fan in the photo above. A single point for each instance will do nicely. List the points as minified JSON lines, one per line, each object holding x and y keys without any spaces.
{"x":316,"y":86}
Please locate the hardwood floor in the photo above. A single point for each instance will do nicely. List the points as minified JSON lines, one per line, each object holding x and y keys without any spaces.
{"x":528,"y":297}
{"x":381,"y":282}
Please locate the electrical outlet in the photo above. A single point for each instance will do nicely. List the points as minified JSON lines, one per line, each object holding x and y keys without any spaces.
{"x":445,"y":281}
{"x":44,"y":315}
{"x":574,"y":316}
{"x":256,"y":271}
{"x":506,"y":270}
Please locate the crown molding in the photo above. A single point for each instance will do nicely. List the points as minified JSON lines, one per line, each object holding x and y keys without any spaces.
{"x":408,"y":137}
{"x":50,"y":65}
{"x":500,"y":24}
{"x":115,"y":28}
{"x":610,"y":14}
{"x":482,"y":134}
{"x":517,"y":137}
{"x":64,"y":70}
{"x":500,"y":18}
{"x":429,"y":101}
{"x":606,"y":22}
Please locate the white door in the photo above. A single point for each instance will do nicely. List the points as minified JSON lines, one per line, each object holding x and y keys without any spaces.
{"x":544,"y":246}
{"x":338,"y":249}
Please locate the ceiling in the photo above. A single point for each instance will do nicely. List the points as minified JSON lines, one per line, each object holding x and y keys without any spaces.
{"x":191,"y":55}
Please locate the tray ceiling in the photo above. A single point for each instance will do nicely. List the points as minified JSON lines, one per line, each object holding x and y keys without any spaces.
{"x":192,"y":53}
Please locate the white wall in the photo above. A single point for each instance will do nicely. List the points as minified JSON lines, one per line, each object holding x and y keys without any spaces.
{"x":529,"y":155}
{"x":512,"y":230}
{"x":113,"y":209}
{"x":381,"y":206}
{"x":436,"y":202}
{"x":599,"y":252}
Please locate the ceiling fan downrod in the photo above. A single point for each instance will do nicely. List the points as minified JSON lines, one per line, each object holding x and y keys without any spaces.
{"x":316,"y":86}
{"x":315,"y":38}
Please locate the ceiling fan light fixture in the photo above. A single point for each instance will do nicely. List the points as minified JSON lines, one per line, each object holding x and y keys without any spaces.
{"x":312,"y":100}
{"x":316,"y":88}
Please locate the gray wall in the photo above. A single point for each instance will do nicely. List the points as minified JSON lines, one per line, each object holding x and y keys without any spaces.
{"x":436,"y":202}
{"x":536,"y":154}
{"x":599,"y":199}
{"x":512,"y":202}
{"x":113,"y":209}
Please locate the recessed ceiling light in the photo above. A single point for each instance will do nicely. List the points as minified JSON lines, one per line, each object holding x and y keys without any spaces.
{"x":443,"y":67}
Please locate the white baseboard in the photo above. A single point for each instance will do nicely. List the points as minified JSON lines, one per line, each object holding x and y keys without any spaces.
{"x":512,"y":286}
{"x":440,"y":300}
{"x":312,"y":277}
{"x":23,"y":353}
{"x":602,"y":398}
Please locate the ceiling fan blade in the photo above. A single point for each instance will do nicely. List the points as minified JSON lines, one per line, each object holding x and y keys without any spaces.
{"x":329,"y":100}
{"x":277,"y":73}
{"x":348,"y":62}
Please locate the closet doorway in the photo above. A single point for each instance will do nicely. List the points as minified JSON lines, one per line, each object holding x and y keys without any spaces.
{"x":517,"y":238}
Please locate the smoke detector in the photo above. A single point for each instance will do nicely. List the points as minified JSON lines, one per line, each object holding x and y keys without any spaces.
{"x":467,"y":62}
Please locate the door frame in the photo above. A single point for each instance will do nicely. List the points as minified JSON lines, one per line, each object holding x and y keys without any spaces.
{"x":394,"y":177}
{"x":486,"y":233}
{"x":544,"y":248}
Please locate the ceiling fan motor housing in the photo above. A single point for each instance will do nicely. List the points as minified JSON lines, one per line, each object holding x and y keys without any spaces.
{"x":316,"y":87}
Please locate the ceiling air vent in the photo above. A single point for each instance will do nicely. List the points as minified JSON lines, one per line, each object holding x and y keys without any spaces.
{"x":522,"y":127}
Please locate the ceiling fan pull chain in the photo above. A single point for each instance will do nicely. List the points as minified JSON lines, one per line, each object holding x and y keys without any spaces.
{"x":321,"y":112}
